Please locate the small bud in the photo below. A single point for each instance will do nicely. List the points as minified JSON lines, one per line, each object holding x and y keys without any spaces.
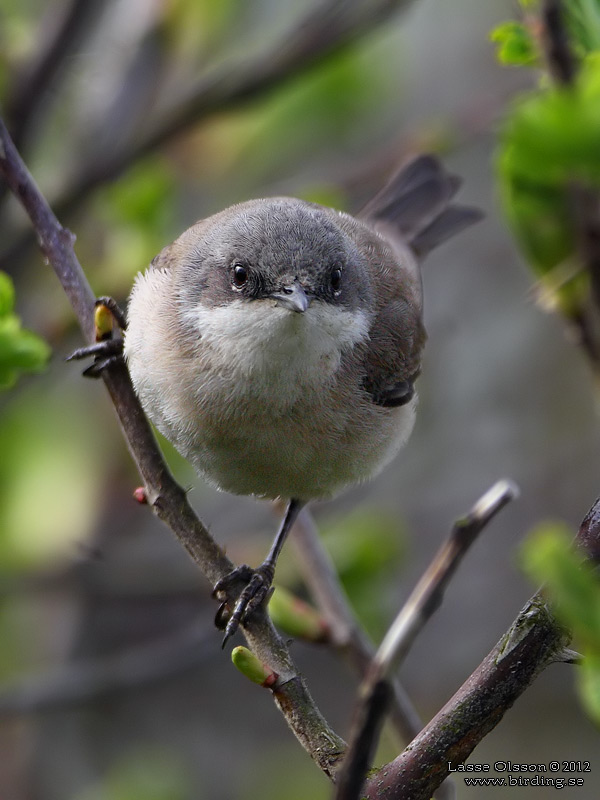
{"x":254,"y":669}
{"x":140,"y":495}
{"x":297,"y":618}
{"x":103,"y":322}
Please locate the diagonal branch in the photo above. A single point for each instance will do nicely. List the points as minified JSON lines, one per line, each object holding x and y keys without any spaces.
{"x":533,"y":642}
{"x":166,"y":498}
{"x":29,"y":89}
{"x":346,"y":634}
{"x":324,"y":30}
{"x":425,"y":599}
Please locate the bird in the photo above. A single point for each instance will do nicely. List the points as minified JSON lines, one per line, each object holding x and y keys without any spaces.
{"x":276,"y":344}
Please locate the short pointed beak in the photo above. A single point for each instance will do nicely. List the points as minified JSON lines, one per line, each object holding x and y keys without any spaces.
{"x":293,"y":297}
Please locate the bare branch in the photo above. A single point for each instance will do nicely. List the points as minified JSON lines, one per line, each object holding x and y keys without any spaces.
{"x":346,"y":634}
{"x":167,"y":499}
{"x":558,"y":51}
{"x":534,"y":641}
{"x":425,"y":599}
{"x":29,"y":88}
{"x":323,"y":31}
{"x":585,"y":200}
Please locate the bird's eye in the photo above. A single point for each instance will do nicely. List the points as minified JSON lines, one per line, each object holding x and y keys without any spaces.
{"x":239,"y":276}
{"x":335,"y":280}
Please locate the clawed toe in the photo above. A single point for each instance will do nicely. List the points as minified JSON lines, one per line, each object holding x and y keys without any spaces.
{"x":256,"y":592}
{"x":107,"y":350}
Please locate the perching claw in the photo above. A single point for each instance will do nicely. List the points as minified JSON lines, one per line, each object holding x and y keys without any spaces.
{"x":257,"y":583}
{"x":107,"y":350}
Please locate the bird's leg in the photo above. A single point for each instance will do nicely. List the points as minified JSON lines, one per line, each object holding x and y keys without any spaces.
{"x":107,"y":349}
{"x":258,"y":588}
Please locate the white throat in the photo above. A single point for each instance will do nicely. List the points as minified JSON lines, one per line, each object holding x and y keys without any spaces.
{"x":279,"y":350}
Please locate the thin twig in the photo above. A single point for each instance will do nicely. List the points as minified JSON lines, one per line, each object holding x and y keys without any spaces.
{"x":375,"y":691}
{"x":324,"y":31}
{"x":346,"y":634}
{"x":167,"y":499}
{"x":585,"y":200}
{"x":29,"y":88}
{"x":533,"y":642}
{"x":558,"y":51}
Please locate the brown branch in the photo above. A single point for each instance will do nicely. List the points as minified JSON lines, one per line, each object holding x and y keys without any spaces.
{"x":29,"y":88}
{"x":585,"y":200}
{"x":346,"y":634}
{"x":534,"y":641}
{"x":375,"y":691}
{"x":558,"y":51}
{"x":166,"y":498}
{"x":324,"y":31}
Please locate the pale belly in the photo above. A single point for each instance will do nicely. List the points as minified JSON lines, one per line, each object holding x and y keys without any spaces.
{"x":304,"y":453}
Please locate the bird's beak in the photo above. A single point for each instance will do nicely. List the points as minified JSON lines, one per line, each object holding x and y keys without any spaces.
{"x":292,"y":296}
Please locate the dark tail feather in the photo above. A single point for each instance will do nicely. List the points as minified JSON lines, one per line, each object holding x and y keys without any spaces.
{"x":416,"y":202}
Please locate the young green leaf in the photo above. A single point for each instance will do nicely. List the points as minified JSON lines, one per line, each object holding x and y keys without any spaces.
{"x":515,"y":44}
{"x":20,"y":349}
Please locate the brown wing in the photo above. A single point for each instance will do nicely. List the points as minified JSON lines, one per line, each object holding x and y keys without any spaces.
{"x":413,"y":214}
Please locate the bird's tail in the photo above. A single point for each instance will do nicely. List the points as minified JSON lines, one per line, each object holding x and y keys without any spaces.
{"x":416,"y":203}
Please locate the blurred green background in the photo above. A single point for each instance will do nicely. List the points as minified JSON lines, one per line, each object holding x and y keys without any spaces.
{"x":88,"y":577}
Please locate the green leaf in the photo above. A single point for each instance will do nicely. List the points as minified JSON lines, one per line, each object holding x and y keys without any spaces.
{"x":548,"y":556}
{"x":549,"y":142}
{"x":20,"y":349}
{"x":7,"y":295}
{"x":138,"y":212}
{"x":515,"y":45}
{"x":583,"y":23}
{"x":367,"y":548}
{"x":589,"y":685}
{"x":574,"y":590}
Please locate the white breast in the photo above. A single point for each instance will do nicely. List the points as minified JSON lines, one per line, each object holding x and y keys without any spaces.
{"x":275,"y":354}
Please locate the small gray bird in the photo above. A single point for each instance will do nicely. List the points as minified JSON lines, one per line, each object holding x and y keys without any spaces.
{"x":276,"y":344}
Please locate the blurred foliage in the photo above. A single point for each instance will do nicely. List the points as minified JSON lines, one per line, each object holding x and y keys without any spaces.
{"x":20,"y":349}
{"x":549,"y":143}
{"x":574,"y":589}
{"x":295,"y":617}
{"x":49,"y":487}
{"x":367,"y":548}
{"x":147,"y":774}
{"x":138,"y":220}
{"x":515,"y":44}
{"x":197,"y":26}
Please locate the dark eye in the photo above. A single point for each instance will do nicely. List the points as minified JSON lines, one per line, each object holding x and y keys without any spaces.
{"x":335,"y":280}
{"x":239,"y":276}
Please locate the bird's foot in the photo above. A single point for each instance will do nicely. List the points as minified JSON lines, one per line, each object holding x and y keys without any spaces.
{"x":255,"y":593}
{"x":107,"y":350}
